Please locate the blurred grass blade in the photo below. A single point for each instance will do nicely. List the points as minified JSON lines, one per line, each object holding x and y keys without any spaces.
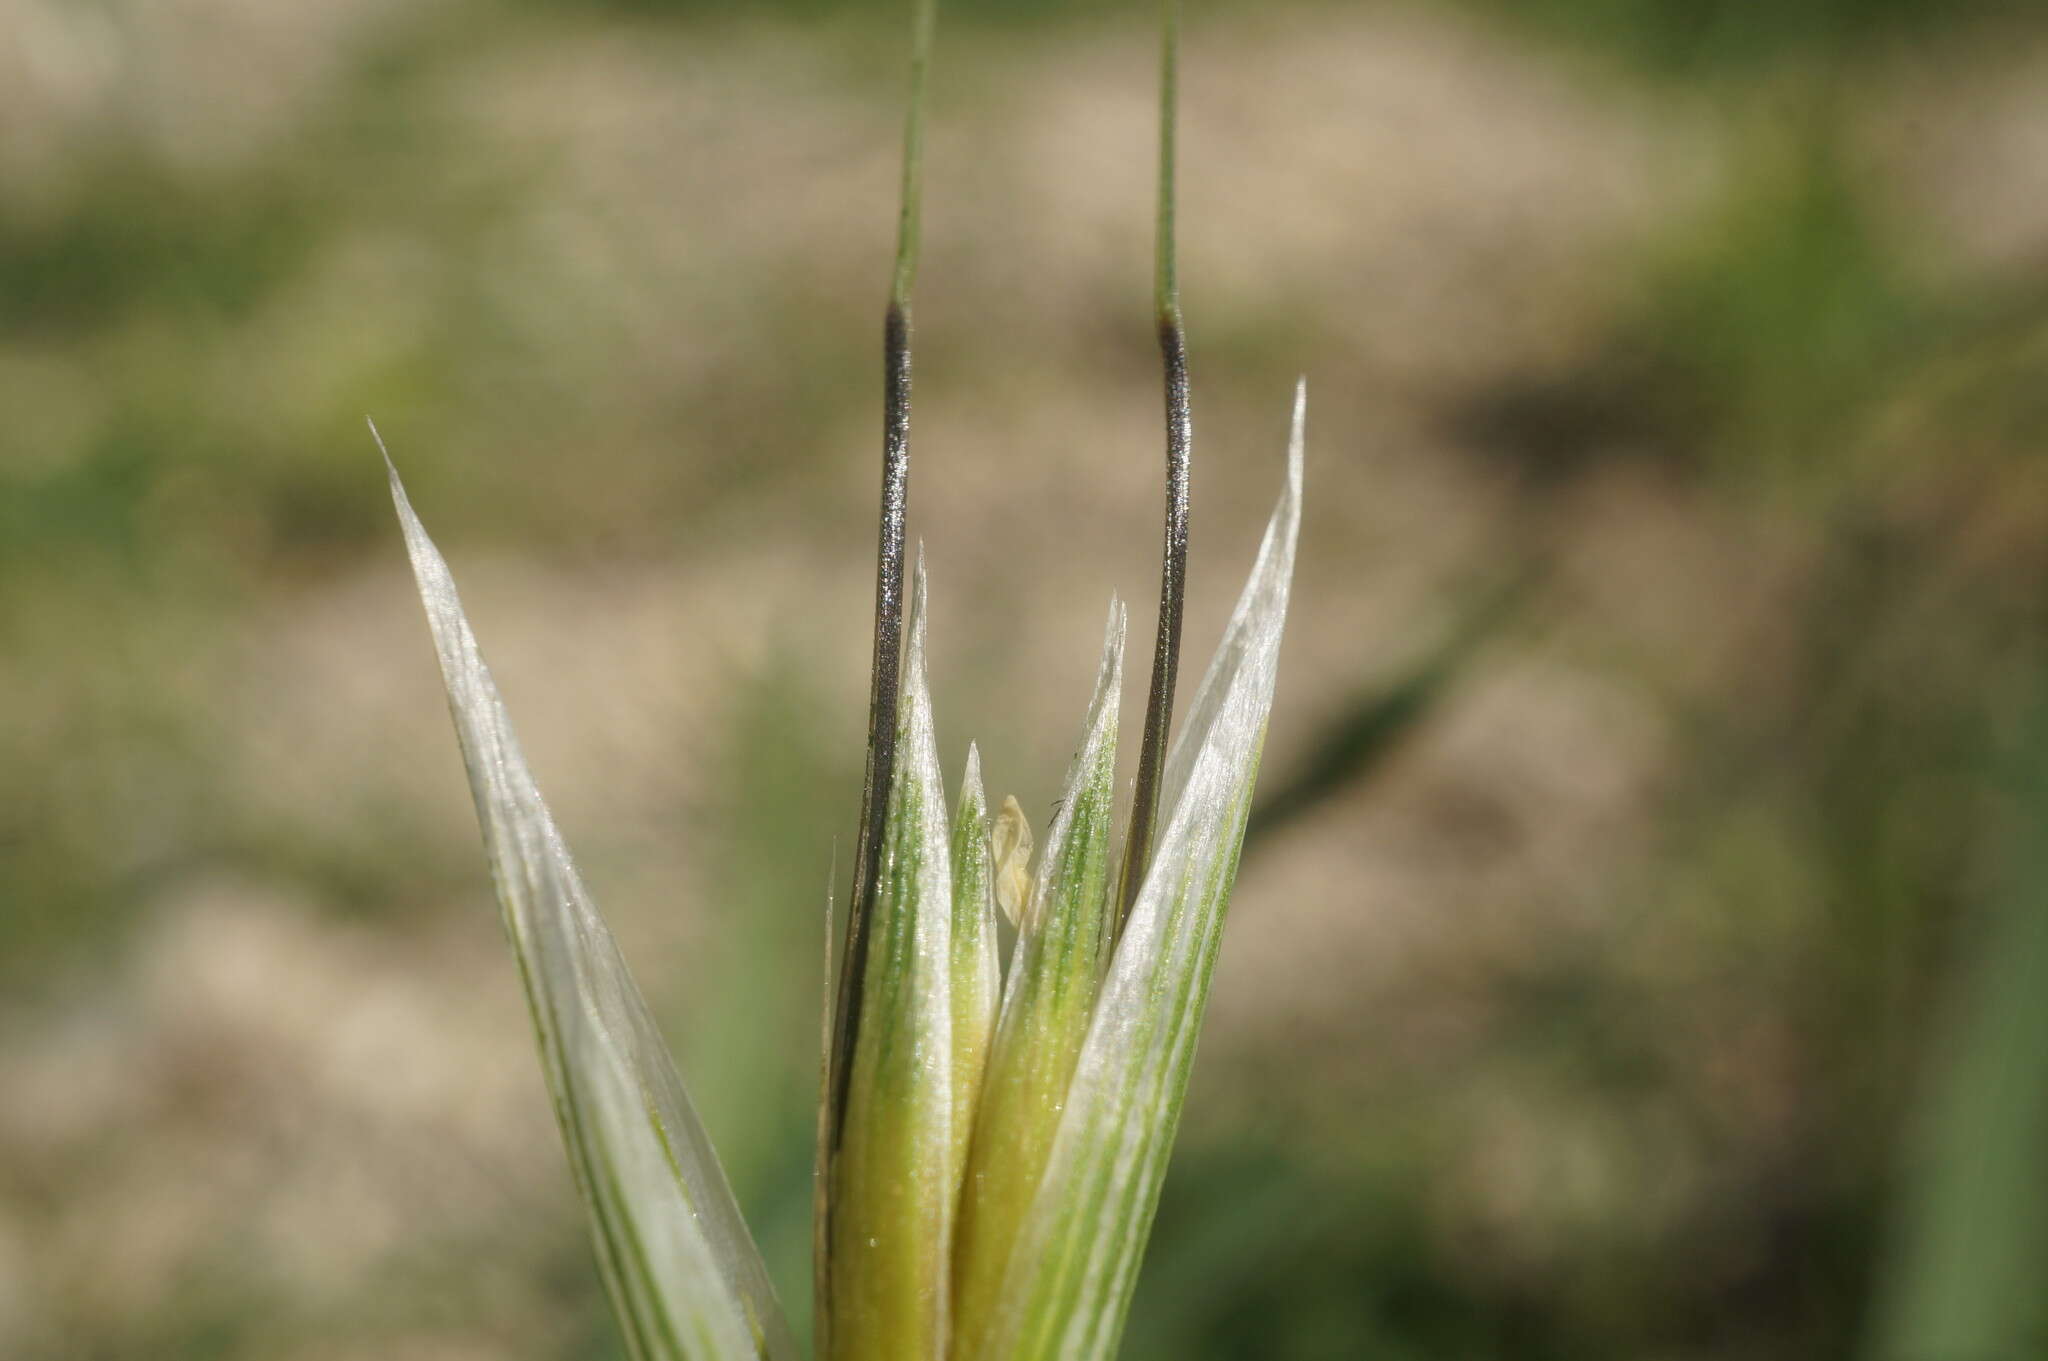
{"x":977,"y":977}
{"x":681,"y":1270}
{"x":821,"y":1161}
{"x":1076,"y":1259}
{"x":1054,"y":971}
{"x":894,"y":1181}
{"x":1362,"y":738}
{"x":1966,"y":1279}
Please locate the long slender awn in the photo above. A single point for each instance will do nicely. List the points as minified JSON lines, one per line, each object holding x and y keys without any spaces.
{"x":1173,"y":353}
{"x":884,"y":676}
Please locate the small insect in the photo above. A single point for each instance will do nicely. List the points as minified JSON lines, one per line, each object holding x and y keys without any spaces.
{"x":1010,"y":842}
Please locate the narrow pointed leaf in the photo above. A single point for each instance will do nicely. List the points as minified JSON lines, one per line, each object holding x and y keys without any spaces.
{"x":1069,"y":1281}
{"x":977,"y":977}
{"x":1047,"y":1001}
{"x":821,"y":1162}
{"x":894,"y":1177}
{"x":682,"y":1272}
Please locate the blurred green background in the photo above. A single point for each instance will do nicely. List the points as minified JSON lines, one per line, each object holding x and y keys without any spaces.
{"x":1643,"y":949}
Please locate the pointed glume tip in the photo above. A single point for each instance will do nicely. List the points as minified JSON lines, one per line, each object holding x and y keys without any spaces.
{"x":378,"y":436}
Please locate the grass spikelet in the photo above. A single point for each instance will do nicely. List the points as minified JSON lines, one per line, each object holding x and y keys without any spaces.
{"x":1047,"y":1001}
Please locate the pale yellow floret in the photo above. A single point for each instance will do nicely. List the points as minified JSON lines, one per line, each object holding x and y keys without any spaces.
{"x":1011,"y":838}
